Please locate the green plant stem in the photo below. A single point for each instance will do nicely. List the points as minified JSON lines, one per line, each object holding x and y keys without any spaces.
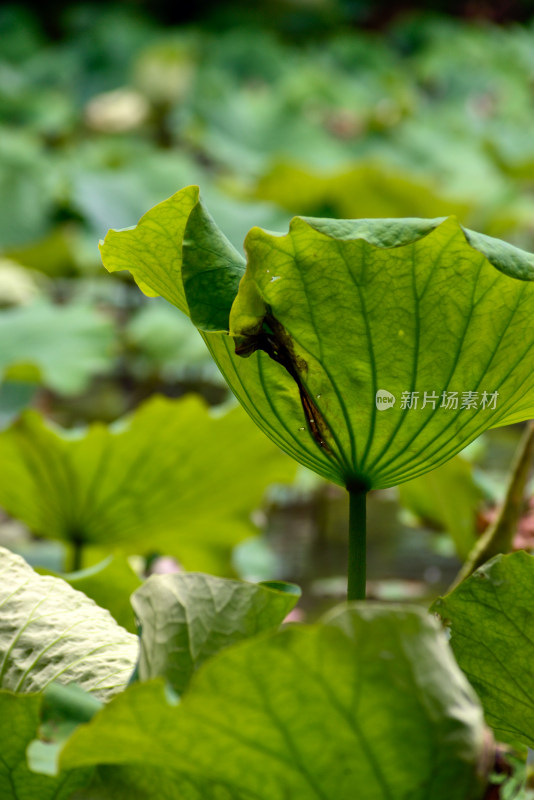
{"x":498,"y":537}
{"x":357,"y":545}
{"x":77,"y":554}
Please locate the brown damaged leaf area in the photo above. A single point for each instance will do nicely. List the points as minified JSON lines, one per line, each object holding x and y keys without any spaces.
{"x":273,"y":339}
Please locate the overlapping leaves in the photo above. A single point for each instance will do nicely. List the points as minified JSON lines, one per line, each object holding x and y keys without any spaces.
{"x":372,"y":698}
{"x":335,"y":313}
{"x":19,"y":721}
{"x":317,"y":710}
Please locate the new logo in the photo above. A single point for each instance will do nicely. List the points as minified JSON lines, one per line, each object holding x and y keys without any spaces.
{"x":384,"y":400}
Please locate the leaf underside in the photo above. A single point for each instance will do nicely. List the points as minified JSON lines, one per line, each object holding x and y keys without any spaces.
{"x":336,"y":311}
{"x":49,"y":631}
{"x":187,"y":618}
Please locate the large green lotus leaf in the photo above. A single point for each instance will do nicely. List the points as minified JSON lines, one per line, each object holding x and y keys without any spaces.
{"x":372,"y":699}
{"x":491,"y":617}
{"x":110,"y":584}
{"x":49,"y":631}
{"x":19,"y":721}
{"x":337,"y":314}
{"x":62,"y":347}
{"x":187,"y":618}
{"x":355,"y":309}
{"x":143,"y":485}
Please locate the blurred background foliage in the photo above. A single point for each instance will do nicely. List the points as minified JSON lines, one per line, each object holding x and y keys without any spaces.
{"x":341,"y":108}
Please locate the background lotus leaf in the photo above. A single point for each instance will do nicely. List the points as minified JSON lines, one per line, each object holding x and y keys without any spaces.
{"x":143,"y":483}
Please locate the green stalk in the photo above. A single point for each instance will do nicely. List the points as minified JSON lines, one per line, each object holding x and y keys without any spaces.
{"x":499,"y":535}
{"x":77,"y":553}
{"x":357,"y":545}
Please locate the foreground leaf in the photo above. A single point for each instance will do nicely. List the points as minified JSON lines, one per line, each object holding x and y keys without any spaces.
{"x":110,"y":584}
{"x":138,"y":783}
{"x":63,"y":709}
{"x":19,"y":720}
{"x":491,"y":618}
{"x":335,"y":315}
{"x":49,"y":631}
{"x":373,"y":699}
{"x":187,"y":618}
{"x":143,"y":483}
